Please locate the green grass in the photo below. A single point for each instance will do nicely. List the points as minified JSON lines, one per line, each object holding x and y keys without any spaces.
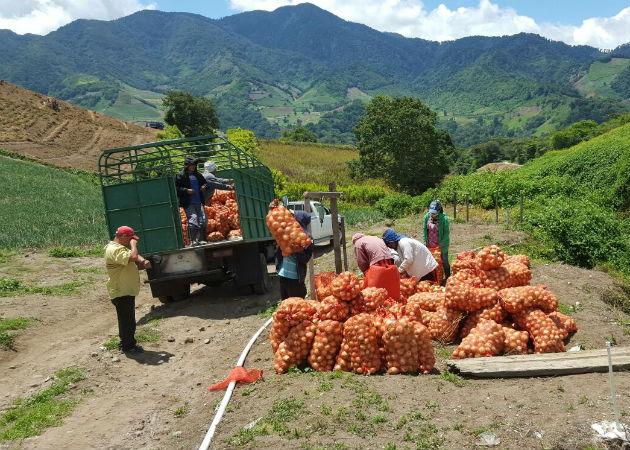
{"x":68,"y":215}
{"x":74,"y":252}
{"x":452,"y":378}
{"x":30,"y":416}
{"x":145,"y":333}
{"x":11,"y":287}
{"x":8,"y":328}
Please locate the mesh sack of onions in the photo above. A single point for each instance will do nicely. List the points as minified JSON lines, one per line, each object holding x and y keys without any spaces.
{"x":401,"y":347}
{"x":426,"y":355}
{"x":294,"y":350}
{"x":212,"y":225}
{"x":565,"y":324}
{"x":469,"y":276}
{"x":494,"y":312}
{"x":458,"y":294}
{"x":286,"y":230}
{"x":445,"y":324}
{"x":408,"y":286}
{"x":215,"y":236}
{"x":546,"y":335}
{"x":294,"y":310}
{"x":489,"y":257}
{"x":486,"y":339}
{"x":427,"y":300}
{"x":374,"y":298}
{"x":328,"y":337}
{"x":233,"y":234}
{"x":222,"y":196}
{"x":438,"y":272}
{"x":184,"y":220}
{"x":519,"y":274}
{"x":322,"y":284}
{"x":362,"y":353}
{"x":522,"y":298}
{"x":464,"y":260}
{"x":331,"y":308}
{"x":279,"y":332}
{"x":428,"y":286}
{"x":210,"y":212}
{"x":346,"y":286}
{"x":515,"y":341}
{"x":497,"y":278}
{"x":522,"y":259}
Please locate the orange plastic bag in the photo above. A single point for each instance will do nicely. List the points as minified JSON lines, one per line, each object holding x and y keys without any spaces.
{"x":238,"y":373}
{"x":384,"y":277}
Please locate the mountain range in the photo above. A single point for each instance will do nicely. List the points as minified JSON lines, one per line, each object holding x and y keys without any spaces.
{"x":302,"y":65}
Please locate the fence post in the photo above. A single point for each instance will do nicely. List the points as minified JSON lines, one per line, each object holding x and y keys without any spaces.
{"x":455,"y":205}
{"x":467,"y":202}
{"x":496,"y":208}
{"x":521,"y":208}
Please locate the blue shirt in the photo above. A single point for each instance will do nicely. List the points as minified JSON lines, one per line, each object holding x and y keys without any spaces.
{"x":194,"y":185}
{"x":289,"y":268}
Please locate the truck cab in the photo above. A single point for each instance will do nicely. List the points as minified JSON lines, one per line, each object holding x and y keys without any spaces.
{"x":321,"y":220}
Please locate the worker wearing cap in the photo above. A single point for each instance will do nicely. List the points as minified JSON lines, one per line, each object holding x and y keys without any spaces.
{"x":214,"y":182}
{"x":415,"y":259}
{"x":436,"y":232}
{"x":122,"y":261}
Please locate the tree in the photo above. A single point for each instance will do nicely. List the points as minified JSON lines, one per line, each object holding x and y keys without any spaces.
{"x":193,"y":116}
{"x":299,"y":134}
{"x":398,"y":141}
{"x":243,"y":139}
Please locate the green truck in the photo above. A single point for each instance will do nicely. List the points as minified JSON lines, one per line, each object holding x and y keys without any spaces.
{"x":138,"y":185}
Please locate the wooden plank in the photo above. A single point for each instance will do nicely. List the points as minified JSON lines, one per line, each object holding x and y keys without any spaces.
{"x":316,"y":194}
{"x":547,"y":364}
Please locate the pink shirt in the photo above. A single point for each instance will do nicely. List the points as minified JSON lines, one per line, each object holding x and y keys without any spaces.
{"x":434,"y":236}
{"x":369,"y":250}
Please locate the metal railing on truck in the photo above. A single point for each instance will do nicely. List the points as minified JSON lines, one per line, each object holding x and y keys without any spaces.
{"x":138,"y":185}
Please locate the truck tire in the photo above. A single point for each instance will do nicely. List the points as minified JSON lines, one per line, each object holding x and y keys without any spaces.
{"x":262,"y":286}
{"x":181,"y":294}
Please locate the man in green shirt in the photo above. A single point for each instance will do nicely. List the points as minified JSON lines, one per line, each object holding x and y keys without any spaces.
{"x":122,"y":261}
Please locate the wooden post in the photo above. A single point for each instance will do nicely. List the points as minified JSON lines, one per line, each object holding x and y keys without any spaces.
{"x":521,"y":216}
{"x":496,"y":208}
{"x":311,"y":263}
{"x":467,"y":203}
{"x":335,"y":227}
{"x":343,"y":243}
{"x":455,"y":205}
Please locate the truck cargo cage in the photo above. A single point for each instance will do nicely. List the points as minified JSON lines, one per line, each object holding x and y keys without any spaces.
{"x":138,"y":184}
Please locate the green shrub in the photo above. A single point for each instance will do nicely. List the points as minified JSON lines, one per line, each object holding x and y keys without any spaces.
{"x":395,"y":206}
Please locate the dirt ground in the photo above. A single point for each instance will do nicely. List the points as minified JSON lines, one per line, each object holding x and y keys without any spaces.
{"x":131,"y":401}
{"x":70,"y":137}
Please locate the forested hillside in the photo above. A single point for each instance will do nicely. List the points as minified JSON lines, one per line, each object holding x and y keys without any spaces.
{"x":301,"y":65}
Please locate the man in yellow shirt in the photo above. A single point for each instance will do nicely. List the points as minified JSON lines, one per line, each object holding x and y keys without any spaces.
{"x":122,"y":261}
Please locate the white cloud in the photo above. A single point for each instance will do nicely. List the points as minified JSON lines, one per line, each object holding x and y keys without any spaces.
{"x":44,"y":16}
{"x":411,"y":19}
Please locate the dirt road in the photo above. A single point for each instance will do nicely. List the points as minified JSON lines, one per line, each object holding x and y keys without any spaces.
{"x":159,"y":400}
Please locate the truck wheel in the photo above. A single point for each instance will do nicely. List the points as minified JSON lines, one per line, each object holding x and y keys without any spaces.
{"x":262,"y":286}
{"x":181,"y":294}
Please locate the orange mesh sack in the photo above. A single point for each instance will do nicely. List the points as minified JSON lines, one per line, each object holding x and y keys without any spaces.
{"x":322,"y":284}
{"x":408,"y":286}
{"x":361,"y":353}
{"x":326,"y":345}
{"x":497,"y":278}
{"x":515,"y":342}
{"x":464,"y":260}
{"x":401,"y":347}
{"x":546,"y":335}
{"x":521,"y":259}
{"x":426,"y":354}
{"x":427,"y":300}
{"x":331,"y":308}
{"x":286,"y":230}
{"x":494,"y":312}
{"x":565,"y":324}
{"x":346,"y":286}
{"x":523,"y":298}
{"x":518,"y":274}
{"x":489,"y":257}
{"x":294,"y":310}
{"x":294,"y":350}
{"x":386,"y":277}
{"x":438,"y":272}
{"x":445,"y":324}
{"x":486,"y":339}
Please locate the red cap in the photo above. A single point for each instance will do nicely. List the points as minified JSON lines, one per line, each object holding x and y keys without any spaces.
{"x":126,"y":231}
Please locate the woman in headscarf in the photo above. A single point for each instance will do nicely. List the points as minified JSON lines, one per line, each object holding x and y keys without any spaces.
{"x":436,"y":232}
{"x":415,"y":258}
{"x":292,"y":269}
{"x":370,"y":250}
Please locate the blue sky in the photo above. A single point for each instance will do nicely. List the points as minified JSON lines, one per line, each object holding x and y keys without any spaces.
{"x":603,"y":24}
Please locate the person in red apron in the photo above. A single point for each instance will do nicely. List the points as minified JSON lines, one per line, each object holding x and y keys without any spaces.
{"x":375,"y":261}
